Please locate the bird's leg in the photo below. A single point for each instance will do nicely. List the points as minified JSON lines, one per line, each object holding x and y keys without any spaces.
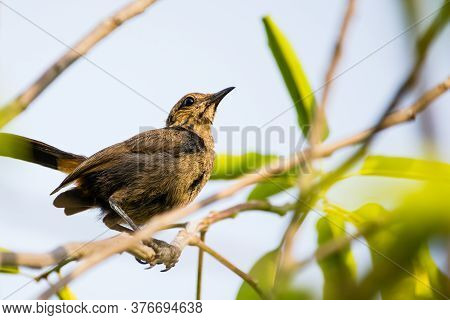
{"x":117,"y":209}
{"x":166,"y":254}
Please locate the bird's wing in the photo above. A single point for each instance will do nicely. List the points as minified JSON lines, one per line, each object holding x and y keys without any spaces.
{"x":172,"y":140}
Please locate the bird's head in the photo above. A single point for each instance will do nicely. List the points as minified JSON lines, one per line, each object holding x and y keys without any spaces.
{"x":196,"y":109}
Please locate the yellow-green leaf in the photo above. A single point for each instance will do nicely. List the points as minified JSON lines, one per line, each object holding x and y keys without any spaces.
{"x":339,"y":269}
{"x":233,"y":166}
{"x":66,"y":294}
{"x":398,"y":240}
{"x":293,"y":74}
{"x":428,"y":277}
{"x":264,"y":272}
{"x":8,"y":269}
{"x":397,"y":167}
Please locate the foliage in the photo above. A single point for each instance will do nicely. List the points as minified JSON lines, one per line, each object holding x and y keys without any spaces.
{"x":407,"y":168}
{"x":228,"y":167}
{"x":402,"y":267}
{"x":274,"y":185}
{"x":66,"y":294}
{"x":264,"y":272}
{"x":8,"y":269}
{"x":339,"y":269}
{"x":293,"y":74}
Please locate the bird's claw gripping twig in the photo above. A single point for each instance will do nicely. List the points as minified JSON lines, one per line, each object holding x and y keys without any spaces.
{"x":166,"y":254}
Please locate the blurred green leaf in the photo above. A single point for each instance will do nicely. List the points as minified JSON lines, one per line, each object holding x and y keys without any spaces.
{"x":293,"y":74}
{"x":429,"y":276}
{"x":264,"y":272}
{"x":407,"y":168}
{"x":230,"y":166}
{"x":8,"y":269}
{"x":339,"y":269}
{"x":66,"y":294}
{"x":274,"y":185}
{"x":402,"y":265}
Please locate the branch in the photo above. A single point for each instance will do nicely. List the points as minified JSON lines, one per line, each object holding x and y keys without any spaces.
{"x":20,"y":103}
{"x":70,"y":252}
{"x":246,"y":277}
{"x":319,"y":119}
{"x":395,"y":118}
{"x":231,"y":212}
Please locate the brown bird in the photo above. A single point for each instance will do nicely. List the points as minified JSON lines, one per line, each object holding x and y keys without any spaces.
{"x":133,"y":180}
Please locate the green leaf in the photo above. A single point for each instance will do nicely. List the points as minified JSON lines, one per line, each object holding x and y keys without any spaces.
{"x":398,"y":239}
{"x":8,"y":269}
{"x":293,"y":74}
{"x":396,"y":167}
{"x":339,"y":269}
{"x":264,"y":272}
{"x":228,"y":167}
{"x":66,"y":294}
{"x":428,"y":276}
{"x":273,"y":186}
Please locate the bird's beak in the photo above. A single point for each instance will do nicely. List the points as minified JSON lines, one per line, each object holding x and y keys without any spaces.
{"x":218,"y":96}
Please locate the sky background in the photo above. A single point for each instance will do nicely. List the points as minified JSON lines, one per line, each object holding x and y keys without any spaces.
{"x":177,"y":47}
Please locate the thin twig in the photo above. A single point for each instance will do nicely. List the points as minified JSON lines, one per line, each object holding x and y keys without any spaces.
{"x":231,"y":212}
{"x":318,"y":127}
{"x":246,"y":277}
{"x":422,"y":47}
{"x":319,"y":119}
{"x":20,"y":103}
{"x":198,"y":295}
{"x":56,"y":268}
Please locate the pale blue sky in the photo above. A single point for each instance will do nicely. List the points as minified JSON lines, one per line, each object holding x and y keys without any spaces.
{"x":174,"y":48}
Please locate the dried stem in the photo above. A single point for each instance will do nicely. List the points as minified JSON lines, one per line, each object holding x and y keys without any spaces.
{"x":20,"y":103}
{"x":246,"y":277}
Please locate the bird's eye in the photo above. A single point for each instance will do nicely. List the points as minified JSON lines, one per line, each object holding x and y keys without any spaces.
{"x":189,"y":101}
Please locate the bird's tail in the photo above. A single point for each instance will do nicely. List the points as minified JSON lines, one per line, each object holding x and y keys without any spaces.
{"x":30,"y":150}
